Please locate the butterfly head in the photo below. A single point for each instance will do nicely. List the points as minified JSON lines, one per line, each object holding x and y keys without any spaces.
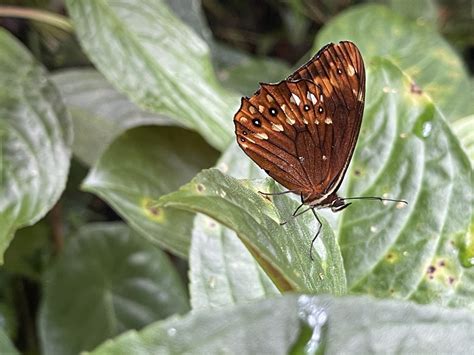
{"x":339,"y":204}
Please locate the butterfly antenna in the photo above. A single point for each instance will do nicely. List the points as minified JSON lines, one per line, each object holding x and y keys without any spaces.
{"x":316,"y":236}
{"x":381,"y":199}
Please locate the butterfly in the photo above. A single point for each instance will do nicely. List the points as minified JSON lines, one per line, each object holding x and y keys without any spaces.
{"x":303,"y":130}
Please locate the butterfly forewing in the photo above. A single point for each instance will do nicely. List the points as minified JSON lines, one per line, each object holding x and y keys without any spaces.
{"x":303,"y":130}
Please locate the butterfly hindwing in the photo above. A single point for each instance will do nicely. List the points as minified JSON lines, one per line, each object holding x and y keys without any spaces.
{"x":303,"y":130}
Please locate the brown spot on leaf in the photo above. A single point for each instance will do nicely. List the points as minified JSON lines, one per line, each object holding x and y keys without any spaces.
{"x":200,"y":187}
{"x":431,"y":269}
{"x":357,"y":172}
{"x":451,"y":280}
{"x":441,"y":263}
{"x":415,"y":89}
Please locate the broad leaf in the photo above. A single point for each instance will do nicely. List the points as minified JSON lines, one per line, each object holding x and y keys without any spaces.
{"x":221,"y":270}
{"x":160,"y":63}
{"x":107,"y":280}
{"x":140,"y":166}
{"x":282,"y":251}
{"x":99,"y":112}
{"x":406,"y":150}
{"x":418,"y":50}
{"x":35,"y":133}
{"x":297,"y":324}
{"x":6,"y":346}
{"x":464,"y":129}
{"x":245,"y":76}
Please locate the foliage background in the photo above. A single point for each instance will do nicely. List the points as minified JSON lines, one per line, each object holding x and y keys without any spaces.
{"x":116,"y":235}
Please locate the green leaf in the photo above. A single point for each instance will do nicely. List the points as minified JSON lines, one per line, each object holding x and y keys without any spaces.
{"x":140,"y":166}
{"x":99,"y":113}
{"x":406,"y":150}
{"x":6,"y":346}
{"x":159,"y":62}
{"x":26,"y":253}
{"x":283,"y":252}
{"x":35,"y":140}
{"x":297,"y":324}
{"x":9,"y":316}
{"x":464,"y":129}
{"x":221,"y":270}
{"x":245,"y":76}
{"x":108,"y":280}
{"x":419,"y":51}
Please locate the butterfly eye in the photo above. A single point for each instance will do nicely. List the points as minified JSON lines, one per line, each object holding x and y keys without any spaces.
{"x":256,"y":122}
{"x":306,"y":107}
{"x":273,"y":111}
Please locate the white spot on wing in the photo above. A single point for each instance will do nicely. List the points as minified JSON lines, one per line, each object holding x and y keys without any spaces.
{"x":290,"y":121}
{"x":261,"y":135}
{"x":325,"y":157}
{"x":261,"y":108}
{"x":243,"y":119}
{"x":310,"y":96}
{"x":350,"y":70}
{"x":328,"y":121}
{"x":269,"y":98}
{"x":295,"y":99}
{"x":277,"y":127}
{"x":252,"y":109}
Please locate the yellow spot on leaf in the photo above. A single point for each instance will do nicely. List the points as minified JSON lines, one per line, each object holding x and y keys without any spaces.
{"x":151,"y":210}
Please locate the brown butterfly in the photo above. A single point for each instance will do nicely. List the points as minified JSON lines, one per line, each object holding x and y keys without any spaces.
{"x":303,"y":130}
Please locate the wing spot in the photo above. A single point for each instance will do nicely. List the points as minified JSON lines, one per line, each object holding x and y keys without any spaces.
{"x":325,"y":157}
{"x":244,"y":133}
{"x":350,"y":70}
{"x":301,"y":159}
{"x":310,"y":96}
{"x":328,"y":121}
{"x":243,"y":119}
{"x":339,"y":71}
{"x":269,"y":98}
{"x":261,"y":135}
{"x":305,"y":121}
{"x":295,"y":99}
{"x":277,"y":127}
{"x":306,"y":108}
{"x":290,"y":121}
{"x":316,"y":121}
{"x":256,"y":122}
{"x":320,"y":109}
{"x":273,"y":111}
{"x":354,"y":91}
{"x":242,"y":139}
{"x":261,"y":108}
{"x":283,"y":108}
{"x":252,"y":110}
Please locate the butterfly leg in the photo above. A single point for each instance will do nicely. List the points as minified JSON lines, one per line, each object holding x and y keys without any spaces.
{"x":317,"y":234}
{"x":296,"y":214}
{"x":274,"y":193}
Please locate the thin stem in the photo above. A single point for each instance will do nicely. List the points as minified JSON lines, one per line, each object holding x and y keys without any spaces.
{"x":47,"y":17}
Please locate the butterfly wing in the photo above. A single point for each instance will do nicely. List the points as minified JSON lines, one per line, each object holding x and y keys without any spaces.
{"x":303,"y":130}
